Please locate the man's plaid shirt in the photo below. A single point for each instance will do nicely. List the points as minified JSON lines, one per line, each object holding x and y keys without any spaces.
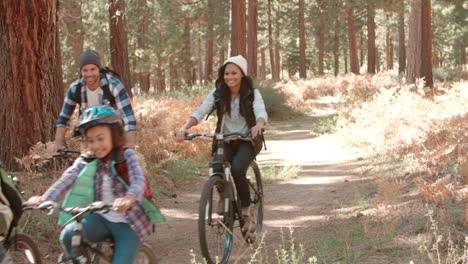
{"x":122,"y":101}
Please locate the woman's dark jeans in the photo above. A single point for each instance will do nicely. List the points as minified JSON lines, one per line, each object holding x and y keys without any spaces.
{"x":240,"y":154}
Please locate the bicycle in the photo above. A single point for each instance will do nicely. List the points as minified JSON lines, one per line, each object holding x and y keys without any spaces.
{"x":20,"y":247}
{"x":215,"y":228}
{"x":92,"y":253}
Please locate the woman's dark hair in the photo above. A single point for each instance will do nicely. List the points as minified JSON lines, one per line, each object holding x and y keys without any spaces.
{"x":225,"y":93}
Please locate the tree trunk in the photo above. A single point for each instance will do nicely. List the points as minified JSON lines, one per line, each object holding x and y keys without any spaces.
{"x":361,"y":48}
{"x":419,"y":43}
{"x":143,"y":75}
{"x":336,"y":46}
{"x":389,"y":47}
{"x":352,"y":40}
{"x":345,"y":51}
{"x":73,"y":28}
{"x":119,"y":42}
{"x":238,"y":31}
{"x":321,"y":37}
{"x":401,"y":38}
{"x":31,"y":89}
{"x":462,"y":54}
{"x":302,"y":42}
{"x":277,"y":72}
{"x":270,"y":41}
{"x":252,"y":39}
{"x":209,"y":43}
{"x":426,"y":49}
{"x":370,"y":37}
{"x":262,"y":69}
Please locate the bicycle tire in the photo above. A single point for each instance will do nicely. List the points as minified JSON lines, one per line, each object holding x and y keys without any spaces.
{"x":254,"y":179}
{"x":214,"y":229}
{"x":145,"y":255}
{"x":23,"y":250}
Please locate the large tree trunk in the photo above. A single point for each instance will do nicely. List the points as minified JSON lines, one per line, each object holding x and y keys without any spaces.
{"x":252,"y":39}
{"x":388,"y":46}
{"x":302,"y":42}
{"x":277,"y":72}
{"x":336,"y":46}
{"x":419,"y":43}
{"x":352,"y":39}
{"x":345,"y":51}
{"x":401,"y":38}
{"x":119,"y":42}
{"x":321,"y":37}
{"x":238,"y":28}
{"x":144,"y":75}
{"x":263,"y":65}
{"x":31,"y":89}
{"x":209,"y":43}
{"x":370,"y":37}
{"x":270,"y":41}
{"x":74,"y":30}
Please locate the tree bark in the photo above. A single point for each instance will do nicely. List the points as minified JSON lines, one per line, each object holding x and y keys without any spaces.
{"x":336,"y":46}
{"x":370,"y":37}
{"x":209,"y":43}
{"x":270,"y":41}
{"x":302,"y":42}
{"x":401,"y":38}
{"x":252,"y":39}
{"x":263,"y":64}
{"x":119,"y":42}
{"x":352,"y":39}
{"x":321,"y":37}
{"x":143,"y":75}
{"x":277,"y":71}
{"x":238,"y":28}
{"x":419,"y":43}
{"x":31,"y":89}
{"x":73,"y":30}
{"x":389,"y":47}
{"x":345,"y":51}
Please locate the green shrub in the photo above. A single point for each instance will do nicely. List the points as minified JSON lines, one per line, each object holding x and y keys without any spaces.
{"x":275,"y":101}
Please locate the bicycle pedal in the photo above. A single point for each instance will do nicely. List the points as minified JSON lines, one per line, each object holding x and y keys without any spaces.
{"x":250,"y":237}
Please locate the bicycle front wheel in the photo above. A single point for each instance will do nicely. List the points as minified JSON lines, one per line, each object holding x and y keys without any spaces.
{"x":22,"y":249}
{"x":215,"y":222}
{"x":254,"y":178}
{"x":145,"y":255}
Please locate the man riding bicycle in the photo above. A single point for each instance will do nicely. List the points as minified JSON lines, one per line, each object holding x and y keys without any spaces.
{"x":95,"y":87}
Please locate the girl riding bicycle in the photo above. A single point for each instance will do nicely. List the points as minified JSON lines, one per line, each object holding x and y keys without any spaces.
{"x":239,"y":108}
{"x":128,"y":225}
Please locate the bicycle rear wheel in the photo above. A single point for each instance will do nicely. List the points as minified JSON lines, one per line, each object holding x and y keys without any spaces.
{"x":145,"y":255}
{"x":254,"y":179}
{"x":215,"y":226}
{"x":23,"y":250}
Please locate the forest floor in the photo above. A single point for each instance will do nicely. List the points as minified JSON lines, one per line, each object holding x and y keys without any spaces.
{"x":325,"y":189}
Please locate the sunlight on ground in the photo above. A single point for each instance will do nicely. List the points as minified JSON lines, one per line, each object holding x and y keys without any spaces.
{"x":300,"y":221}
{"x":172,"y":214}
{"x":320,"y":180}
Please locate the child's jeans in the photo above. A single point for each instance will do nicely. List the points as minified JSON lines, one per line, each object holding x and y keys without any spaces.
{"x":96,"y":229}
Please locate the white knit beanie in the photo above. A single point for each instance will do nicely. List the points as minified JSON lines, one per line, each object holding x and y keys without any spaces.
{"x":238,"y":60}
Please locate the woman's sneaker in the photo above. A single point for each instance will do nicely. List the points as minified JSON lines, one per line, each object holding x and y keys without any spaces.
{"x":250,"y":219}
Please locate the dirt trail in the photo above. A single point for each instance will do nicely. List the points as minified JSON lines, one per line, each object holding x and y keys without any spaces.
{"x":326,"y":187}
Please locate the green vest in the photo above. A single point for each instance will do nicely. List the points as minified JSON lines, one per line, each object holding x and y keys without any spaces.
{"x":82,"y":194}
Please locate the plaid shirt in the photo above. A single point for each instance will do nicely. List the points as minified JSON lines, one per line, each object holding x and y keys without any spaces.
{"x":136,"y":217}
{"x":122,"y":101}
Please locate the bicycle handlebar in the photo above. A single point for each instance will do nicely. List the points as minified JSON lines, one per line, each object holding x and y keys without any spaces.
{"x":75,"y":211}
{"x":220,"y":136}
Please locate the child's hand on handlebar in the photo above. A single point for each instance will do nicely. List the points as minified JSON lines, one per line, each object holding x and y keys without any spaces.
{"x":35,"y":200}
{"x":123,"y":203}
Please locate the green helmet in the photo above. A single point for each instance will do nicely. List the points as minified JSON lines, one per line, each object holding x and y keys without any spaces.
{"x":97,"y":115}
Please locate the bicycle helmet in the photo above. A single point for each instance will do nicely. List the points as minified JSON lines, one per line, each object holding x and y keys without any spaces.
{"x":97,"y":115}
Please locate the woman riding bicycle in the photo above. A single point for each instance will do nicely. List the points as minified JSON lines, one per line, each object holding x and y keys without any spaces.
{"x":239,"y":108}
{"x":128,"y":225}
